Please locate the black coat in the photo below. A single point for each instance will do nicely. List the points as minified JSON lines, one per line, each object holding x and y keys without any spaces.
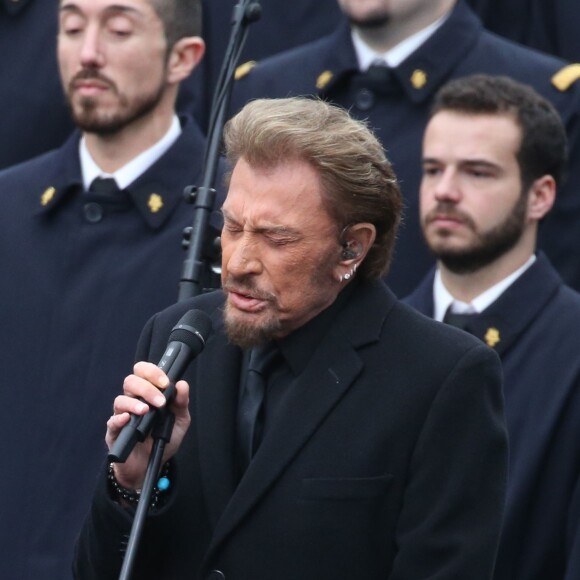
{"x":398,"y":108}
{"x":33,"y":111}
{"x":282,"y":25}
{"x":536,"y":321}
{"x":388,"y":460}
{"x":547,"y":26}
{"x":80,"y":277}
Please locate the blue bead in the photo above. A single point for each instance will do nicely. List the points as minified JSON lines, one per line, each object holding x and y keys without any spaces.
{"x":163,"y":484}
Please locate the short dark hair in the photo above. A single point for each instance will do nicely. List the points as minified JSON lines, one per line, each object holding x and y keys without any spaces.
{"x":358,"y":182}
{"x":543,"y":149}
{"x":181,"y":18}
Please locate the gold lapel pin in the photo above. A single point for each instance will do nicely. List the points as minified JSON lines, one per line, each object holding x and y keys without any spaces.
{"x":492,"y":337}
{"x":323,"y":79}
{"x":47,"y":196}
{"x":155,"y":202}
{"x":419,"y":78}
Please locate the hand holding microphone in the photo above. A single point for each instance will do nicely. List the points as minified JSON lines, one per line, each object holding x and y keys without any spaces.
{"x":151,"y":387}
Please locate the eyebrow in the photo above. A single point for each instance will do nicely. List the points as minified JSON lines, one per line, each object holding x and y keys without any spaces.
{"x":465,"y":162}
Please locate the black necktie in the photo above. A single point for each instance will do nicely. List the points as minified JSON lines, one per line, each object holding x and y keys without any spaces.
{"x":379,"y":72}
{"x":252,"y":400}
{"x":458,"y":320}
{"x":104,"y":186}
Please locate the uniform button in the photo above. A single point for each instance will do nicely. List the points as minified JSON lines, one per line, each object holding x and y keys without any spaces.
{"x":216,"y":575}
{"x":93,"y":212}
{"x":364,"y":100}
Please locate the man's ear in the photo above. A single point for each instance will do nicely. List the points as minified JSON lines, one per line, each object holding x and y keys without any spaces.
{"x":541,"y":197}
{"x":184,"y":57}
{"x":356,"y":242}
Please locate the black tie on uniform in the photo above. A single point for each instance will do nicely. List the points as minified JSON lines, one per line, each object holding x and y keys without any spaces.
{"x":458,"y":320}
{"x":250,"y":409}
{"x":378,"y":73}
{"x":104,"y":186}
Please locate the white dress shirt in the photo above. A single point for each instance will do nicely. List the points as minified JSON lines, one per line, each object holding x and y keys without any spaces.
{"x":442,"y":299}
{"x":396,"y":55}
{"x":136,"y":167}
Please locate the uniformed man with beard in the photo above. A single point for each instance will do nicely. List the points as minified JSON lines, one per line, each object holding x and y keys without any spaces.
{"x":90,"y":247}
{"x":493,"y":155}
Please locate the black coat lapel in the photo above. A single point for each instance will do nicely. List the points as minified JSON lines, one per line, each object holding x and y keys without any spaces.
{"x":329,"y":375}
{"x":502,"y":323}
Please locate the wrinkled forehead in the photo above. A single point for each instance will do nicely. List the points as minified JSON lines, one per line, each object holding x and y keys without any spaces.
{"x":289,"y":192}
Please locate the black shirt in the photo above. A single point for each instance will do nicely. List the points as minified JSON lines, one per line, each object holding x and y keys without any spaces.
{"x":296,"y":350}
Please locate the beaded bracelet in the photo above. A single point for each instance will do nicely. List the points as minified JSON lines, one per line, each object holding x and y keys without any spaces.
{"x":133,"y":496}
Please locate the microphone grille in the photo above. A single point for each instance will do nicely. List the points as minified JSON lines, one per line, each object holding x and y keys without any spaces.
{"x":193,"y":329}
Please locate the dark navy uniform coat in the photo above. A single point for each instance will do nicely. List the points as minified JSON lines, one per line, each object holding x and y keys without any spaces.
{"x":534,"y":327}
{"x":375,"y":468}
{"x":397,"y":108}
{"x":34,"y":116}
{"x":80,"y":275}
{"x":548,"y":26}
{"x":283,"y":25}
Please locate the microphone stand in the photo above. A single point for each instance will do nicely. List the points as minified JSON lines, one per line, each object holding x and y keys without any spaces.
{"x":161,"y":436}
{"x":245,"y":12}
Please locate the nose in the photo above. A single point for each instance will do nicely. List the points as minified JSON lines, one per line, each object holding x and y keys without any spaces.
{"x":91,"y":50}
{"x":446,"y":187}
{"x":241,"y":256}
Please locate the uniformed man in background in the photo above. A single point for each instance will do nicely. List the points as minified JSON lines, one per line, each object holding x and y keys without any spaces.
{"x":90,"y":238}
{"x":493,"y":156}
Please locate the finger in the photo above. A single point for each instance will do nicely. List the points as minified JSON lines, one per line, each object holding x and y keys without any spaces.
{"x":126,"y":404}
{"x":151,"y":373}
{"x":136,"y":386}
{"x":182,"y":394}
{"x":114,"y":426}
{"x":117,"y":422}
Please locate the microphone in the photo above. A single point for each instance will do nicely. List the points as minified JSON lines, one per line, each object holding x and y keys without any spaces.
{"x":186,"y":341}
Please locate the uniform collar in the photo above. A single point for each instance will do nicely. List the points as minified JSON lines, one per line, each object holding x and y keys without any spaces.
{"x":366,"y":56}
{"x":433,"y":63}
{"x":134,"y":168}
{"x":442,"y":299}
{"x":63,"y":178}
{"x":500,"y":325}
{"x":156,"y":193}
{"x":423,"y":72}
{"x":339,"y":59}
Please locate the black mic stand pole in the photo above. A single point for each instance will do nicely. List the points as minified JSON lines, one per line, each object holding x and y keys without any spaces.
{"x":161,"y":436}
{"x":245,"y":12}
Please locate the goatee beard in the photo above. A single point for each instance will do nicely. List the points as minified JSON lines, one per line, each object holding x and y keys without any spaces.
{"x":247,"y":335}
{"x":240,"y":332}
{"x":87,"y":118}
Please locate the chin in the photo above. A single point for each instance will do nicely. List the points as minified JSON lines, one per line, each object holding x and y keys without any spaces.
{"x":248,"y":330}
{"x":369,"y":20}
